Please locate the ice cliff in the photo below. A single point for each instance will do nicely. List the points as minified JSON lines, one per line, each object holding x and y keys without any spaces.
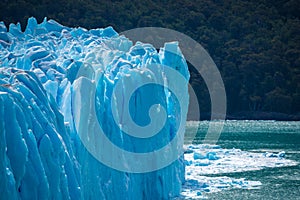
{"x":50,"y":76}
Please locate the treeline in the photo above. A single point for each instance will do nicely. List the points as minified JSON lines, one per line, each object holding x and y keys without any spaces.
{"x":254,"y":43}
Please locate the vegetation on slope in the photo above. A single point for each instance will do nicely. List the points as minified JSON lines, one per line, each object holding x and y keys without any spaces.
{"x":255,"y":44}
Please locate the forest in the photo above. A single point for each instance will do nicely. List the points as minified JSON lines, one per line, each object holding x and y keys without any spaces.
{"x":255,"y":44}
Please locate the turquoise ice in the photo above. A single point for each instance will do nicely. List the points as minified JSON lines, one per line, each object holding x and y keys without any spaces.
{"x":50,"y":77}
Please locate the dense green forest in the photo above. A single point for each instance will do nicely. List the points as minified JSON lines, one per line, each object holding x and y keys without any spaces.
{"x":255,"y":43}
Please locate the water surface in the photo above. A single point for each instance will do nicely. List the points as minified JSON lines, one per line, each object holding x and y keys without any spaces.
{"x":258,"y":136}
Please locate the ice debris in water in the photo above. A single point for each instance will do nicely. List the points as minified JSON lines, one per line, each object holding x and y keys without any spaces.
{"x":281,"y":154}
{"x":200,"y":167}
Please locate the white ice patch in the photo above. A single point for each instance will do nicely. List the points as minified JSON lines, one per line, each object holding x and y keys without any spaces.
{"x":205,"y":160}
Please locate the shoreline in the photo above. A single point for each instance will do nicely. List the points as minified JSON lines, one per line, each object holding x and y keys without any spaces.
{"x":251,"y":115}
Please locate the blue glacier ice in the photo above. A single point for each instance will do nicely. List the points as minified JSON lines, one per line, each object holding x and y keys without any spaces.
{"x":50,"y":76}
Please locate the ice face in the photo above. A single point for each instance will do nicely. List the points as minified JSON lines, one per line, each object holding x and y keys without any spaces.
{"x":50,"y":77}
{"x":37,"y":160}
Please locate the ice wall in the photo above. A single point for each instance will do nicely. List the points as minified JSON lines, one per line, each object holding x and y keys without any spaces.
{"x":48,"y":75}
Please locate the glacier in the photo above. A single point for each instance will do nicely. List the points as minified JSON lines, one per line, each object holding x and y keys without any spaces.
{"x":50,"y":77}
{"x":60,"y":87}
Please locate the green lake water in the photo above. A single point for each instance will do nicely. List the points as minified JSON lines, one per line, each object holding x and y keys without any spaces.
{"x":258,"y":136}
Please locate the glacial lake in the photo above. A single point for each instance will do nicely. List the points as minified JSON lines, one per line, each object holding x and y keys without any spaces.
{"x":261,"y":137}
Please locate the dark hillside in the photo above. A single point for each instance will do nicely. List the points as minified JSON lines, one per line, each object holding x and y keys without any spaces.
{"x":255,"y":44}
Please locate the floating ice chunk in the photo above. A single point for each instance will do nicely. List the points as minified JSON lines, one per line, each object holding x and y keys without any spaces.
{"x":212,"y":156}
{"x":281,"y":154}
{"x":202,"y":163}
{"x":275,"y":155}
{"x":199,"y":156}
